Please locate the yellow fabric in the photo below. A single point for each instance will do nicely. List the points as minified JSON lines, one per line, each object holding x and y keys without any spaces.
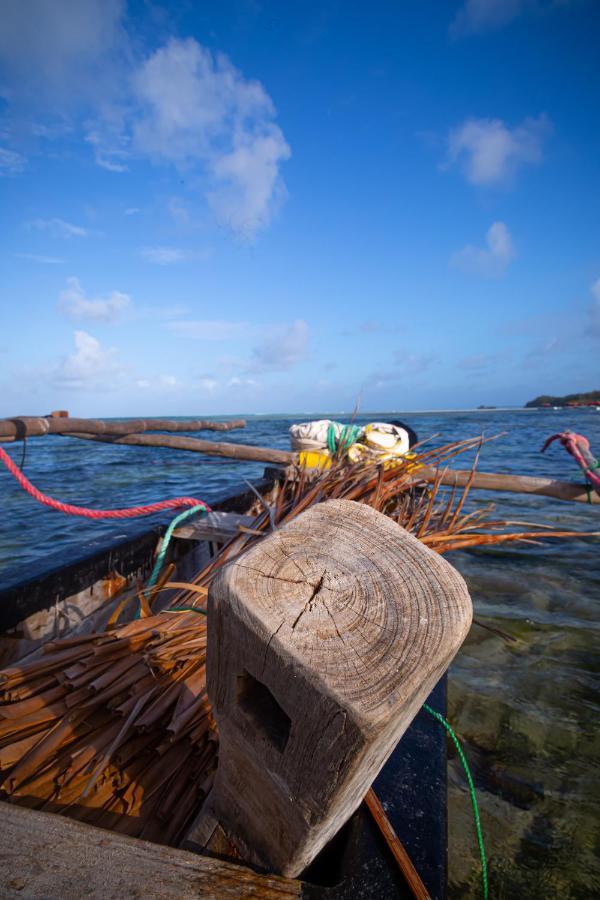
{"x":315,"y":459}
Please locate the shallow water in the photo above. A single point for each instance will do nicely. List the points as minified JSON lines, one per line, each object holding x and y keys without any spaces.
{"x":526,"y":711}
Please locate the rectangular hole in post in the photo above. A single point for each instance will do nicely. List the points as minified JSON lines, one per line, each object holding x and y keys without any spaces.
{"x":263,"y":710}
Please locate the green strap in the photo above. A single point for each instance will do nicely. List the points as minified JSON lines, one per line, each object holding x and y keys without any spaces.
{"x":165,"y":545}
{"x":440,"y":718}
{"x":349,"y":435}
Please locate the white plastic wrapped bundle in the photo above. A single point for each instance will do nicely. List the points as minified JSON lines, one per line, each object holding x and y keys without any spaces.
{"x":312,"y":435}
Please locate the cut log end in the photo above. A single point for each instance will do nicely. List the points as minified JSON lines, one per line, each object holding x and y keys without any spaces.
{"x":324,"y":641}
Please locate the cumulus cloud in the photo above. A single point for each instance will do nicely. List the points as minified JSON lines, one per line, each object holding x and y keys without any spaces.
{"x":59,"y":228}
{"x":283,"y":347}
{"x":89,"y":367}
{"x":74,"y":303}
{"x":490,"y":261}
{"x":476,"y":16}
{"x":489,"y":152}
{"x":73,"y":65}
{"x":197,"y":108}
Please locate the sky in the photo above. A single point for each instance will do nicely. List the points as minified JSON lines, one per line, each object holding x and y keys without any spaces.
{"x":246,"y":207}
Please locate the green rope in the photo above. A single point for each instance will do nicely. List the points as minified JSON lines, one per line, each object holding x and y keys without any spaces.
{"x":160,"y":559}
{"x":348,"y":435}
{"x":465,"y":764}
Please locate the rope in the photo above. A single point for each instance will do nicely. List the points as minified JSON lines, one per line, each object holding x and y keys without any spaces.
{"x":579,"y":447}
{"x":71,"y":510}
{"x":349,"y":434}
{"x":167,"y":539}
{"x":440,"y":718}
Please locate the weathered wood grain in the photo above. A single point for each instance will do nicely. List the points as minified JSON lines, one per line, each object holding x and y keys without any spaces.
{"x":197,"y":445}
{"x":324,"y":641}
{"x":50,"y":857}
{"x":32,"y":426}
{"x":214,"y":526}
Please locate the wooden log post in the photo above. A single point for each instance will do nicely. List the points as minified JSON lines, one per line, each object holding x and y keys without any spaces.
{"x":324,"y":641}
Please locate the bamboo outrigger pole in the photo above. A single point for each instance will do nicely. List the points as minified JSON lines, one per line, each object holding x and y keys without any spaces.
{"x":132,"y":432}
{"x":486,"y":481}
{"x":17,"y":428}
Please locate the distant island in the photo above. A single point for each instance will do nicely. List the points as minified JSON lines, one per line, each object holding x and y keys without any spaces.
{"x":592,"y":398}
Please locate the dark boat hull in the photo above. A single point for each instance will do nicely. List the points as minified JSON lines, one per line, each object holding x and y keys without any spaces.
{"x":412,"y":785}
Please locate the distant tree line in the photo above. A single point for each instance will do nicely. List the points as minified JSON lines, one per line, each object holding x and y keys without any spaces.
{"x":591,"y":398}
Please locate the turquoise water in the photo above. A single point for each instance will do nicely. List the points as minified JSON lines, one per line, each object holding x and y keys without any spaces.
{"x":527,"y":712}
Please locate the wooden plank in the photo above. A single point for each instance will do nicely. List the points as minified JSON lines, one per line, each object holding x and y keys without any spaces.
{"x":48,"y":856}
{"x":324,"y":640}
{"x":31,"y":426}
{"x":514,"y":484}
{"x":482,"y":481}
{"x":197,"y":445}
{"x":214,"y":526}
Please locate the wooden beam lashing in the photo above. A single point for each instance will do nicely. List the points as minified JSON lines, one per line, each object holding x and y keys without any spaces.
{"x":324,"y":640}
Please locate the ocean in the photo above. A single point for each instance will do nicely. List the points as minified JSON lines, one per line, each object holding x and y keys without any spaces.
{"x":527,"y":712}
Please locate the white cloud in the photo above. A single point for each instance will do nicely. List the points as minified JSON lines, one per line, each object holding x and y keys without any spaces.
{"x":38,"y":258}
{"x":11,"y":163}
{"x":163,"y":256}
{"x":74,"y":303}
{"x":209,"y":330}
{"x":208,"y":384}
{"x":283,"y":347}
{"x":72,"y":67}
{"x":90,"y":367}
{"x":199,"y":110}
{"x":105,"y":162}
{"x":168,"y":381}
{"x":490,"y":261}
{"x":59,"y":228}
{"x":251,"y":189}
{"x":490,"y":152}
{"x":110,"y":159}
{"x":132,"y":211}
{"x":143,"y":383}
{"x":477,"y":16}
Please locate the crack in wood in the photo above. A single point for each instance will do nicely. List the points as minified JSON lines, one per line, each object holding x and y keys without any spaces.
{"x":308,"y":606}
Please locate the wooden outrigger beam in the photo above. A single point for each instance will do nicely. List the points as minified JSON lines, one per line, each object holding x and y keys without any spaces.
{"x":485,"y":481}
{"x":36,"y":426}
{"x":131,"y":432}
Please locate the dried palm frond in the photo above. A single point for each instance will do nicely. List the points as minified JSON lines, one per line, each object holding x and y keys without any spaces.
{"x":115,"y":729}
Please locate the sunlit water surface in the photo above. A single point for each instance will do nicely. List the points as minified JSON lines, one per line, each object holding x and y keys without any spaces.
{"x":527,"y":712}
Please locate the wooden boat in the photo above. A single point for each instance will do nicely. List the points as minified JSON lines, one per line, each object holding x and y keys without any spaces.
{"x":356,"y":683}
{"x":49,"y":855}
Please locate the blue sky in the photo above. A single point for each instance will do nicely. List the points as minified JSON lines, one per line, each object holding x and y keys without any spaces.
{"x":267,"y":207}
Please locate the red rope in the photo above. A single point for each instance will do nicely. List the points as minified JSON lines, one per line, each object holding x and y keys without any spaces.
{"x":579,"y":447}
{"x":95,"y":513}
